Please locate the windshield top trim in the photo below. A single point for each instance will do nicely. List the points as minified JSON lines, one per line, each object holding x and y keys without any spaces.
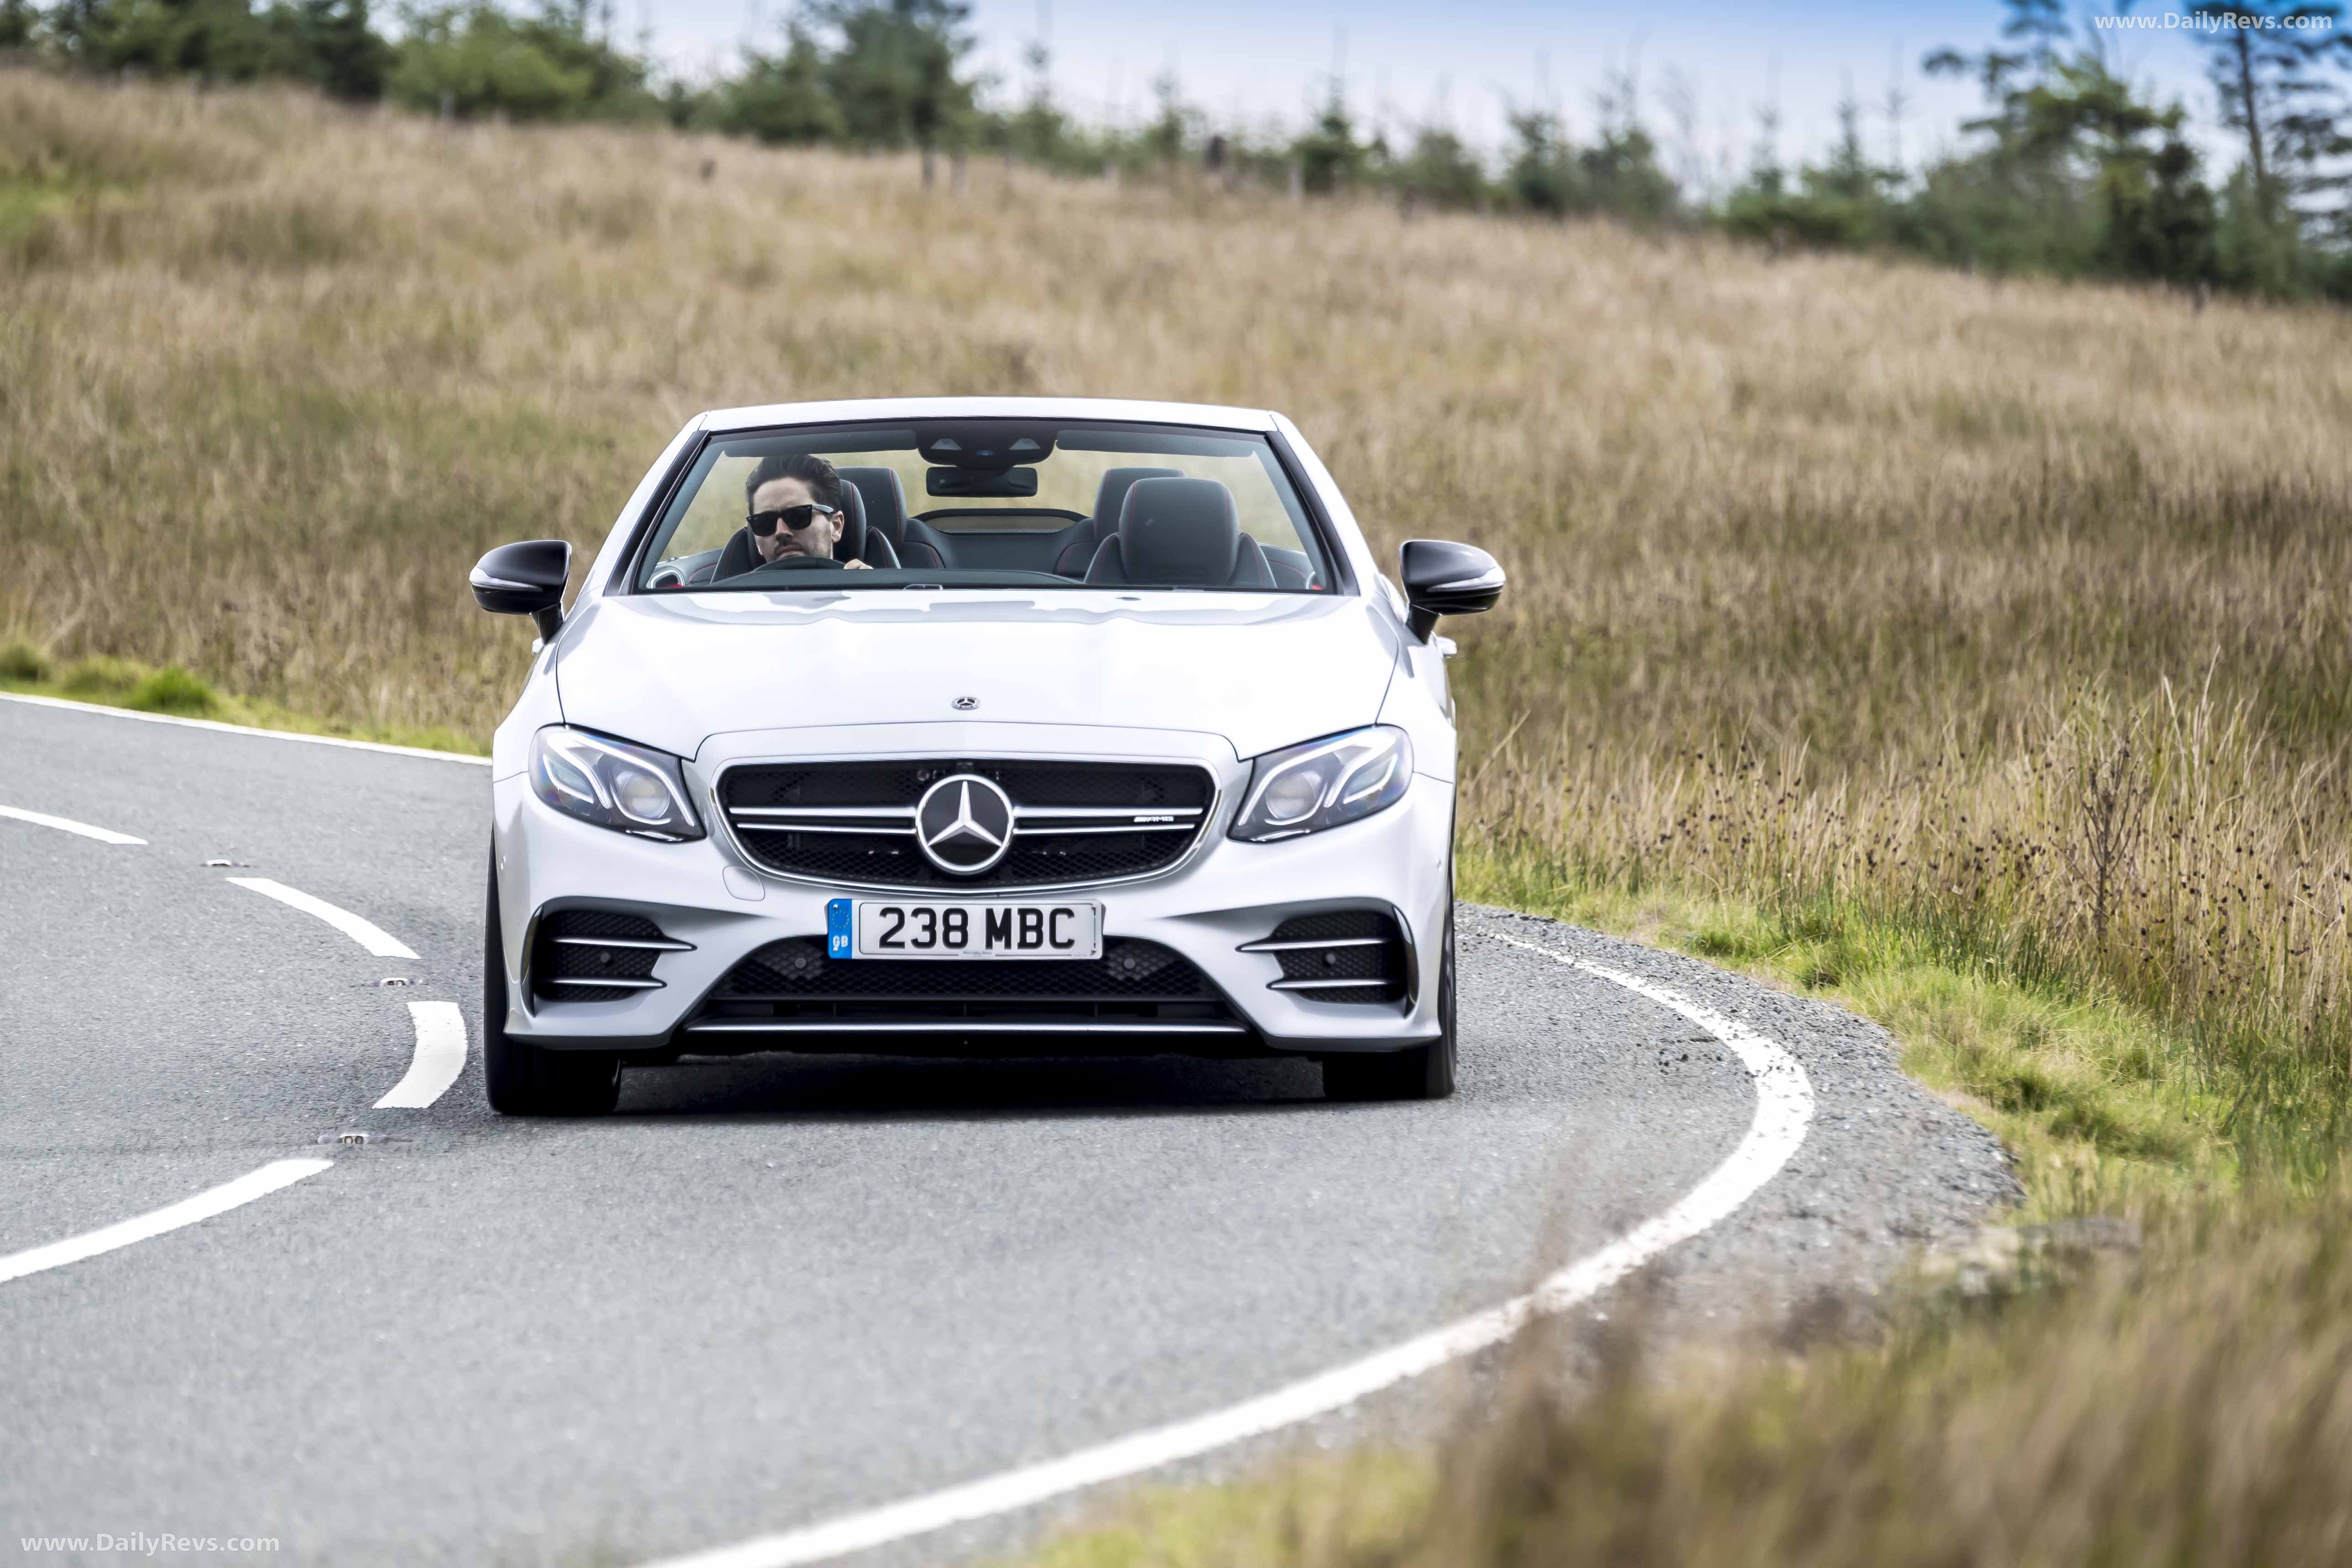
{"x":891,"y":410}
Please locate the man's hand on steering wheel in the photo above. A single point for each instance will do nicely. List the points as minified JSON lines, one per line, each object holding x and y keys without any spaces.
{"x":808,"y":564}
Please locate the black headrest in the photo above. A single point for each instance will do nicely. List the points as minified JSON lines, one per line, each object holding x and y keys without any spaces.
{"x":850,"y":545}
{"x":737,"y":556}
{"x":886,"y":501}
{"x":1178,"y":530}
{"x":1112,"y":495}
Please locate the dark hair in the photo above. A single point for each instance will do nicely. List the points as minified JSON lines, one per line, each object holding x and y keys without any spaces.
{"x":823,"y":479}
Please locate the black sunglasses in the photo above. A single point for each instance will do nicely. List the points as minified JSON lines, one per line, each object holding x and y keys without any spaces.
{"x":795,"y":518}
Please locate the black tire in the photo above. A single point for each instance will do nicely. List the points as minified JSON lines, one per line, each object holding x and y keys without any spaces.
{"x":522,"y":1079}
{"x":1419,"y":1072}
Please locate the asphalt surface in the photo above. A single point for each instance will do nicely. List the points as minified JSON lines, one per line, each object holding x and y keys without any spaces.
{"x":771,"y":1290}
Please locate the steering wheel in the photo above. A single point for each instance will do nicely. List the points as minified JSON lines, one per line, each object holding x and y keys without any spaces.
{"x":794,"y":563}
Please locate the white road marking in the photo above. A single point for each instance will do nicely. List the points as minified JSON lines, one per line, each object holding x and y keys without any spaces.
{"x":373,"y":937}
{"x":240,"y":728}
{"x":172,"y":1216}
{"x":1784,"y":1108}
{"x":440,"y":1056}
{"x":67,"y":824}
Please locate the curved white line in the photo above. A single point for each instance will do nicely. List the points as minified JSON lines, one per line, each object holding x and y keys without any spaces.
{"x":373,"y":937}
{"x":440,"y":1056}
{"x":67,"y":824}
{"x":240,"y":728}
{"x":1784,"y":1107}
{"x":172,"y":1216}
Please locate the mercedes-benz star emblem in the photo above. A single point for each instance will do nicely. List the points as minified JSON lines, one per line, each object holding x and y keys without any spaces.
{"x":964,"y":824}
{"x":966,"y":704}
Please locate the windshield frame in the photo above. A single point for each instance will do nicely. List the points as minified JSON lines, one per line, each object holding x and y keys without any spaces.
{"x":633,"y":563}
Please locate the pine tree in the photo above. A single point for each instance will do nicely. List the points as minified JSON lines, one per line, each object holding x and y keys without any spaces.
{"x":2264,"y":61}
{"x":17,"y":21}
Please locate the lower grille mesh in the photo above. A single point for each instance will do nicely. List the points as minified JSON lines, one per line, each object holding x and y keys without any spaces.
{"x":1133,"y":980}
{"x":863,"y":858}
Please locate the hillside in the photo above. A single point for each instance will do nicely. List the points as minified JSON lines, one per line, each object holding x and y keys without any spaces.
{"x":353,"y":348}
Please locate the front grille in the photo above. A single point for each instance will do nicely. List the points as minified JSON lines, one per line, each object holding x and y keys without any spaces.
{"x":1133,"y":982}
{"x":1073,"y":822}
{"x":1343,"y":955}
{"x":575,"y":949}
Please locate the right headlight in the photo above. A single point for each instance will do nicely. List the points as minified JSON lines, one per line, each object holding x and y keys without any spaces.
{"x":629,"y":789}
{"x":1323,"y":784}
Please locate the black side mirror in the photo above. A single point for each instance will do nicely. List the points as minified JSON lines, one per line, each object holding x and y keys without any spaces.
{"x":1441,"y":578}
{"x":525,"y":579}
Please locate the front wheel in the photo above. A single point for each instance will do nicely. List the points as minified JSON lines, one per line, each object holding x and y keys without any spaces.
{"x":1418,"y":1072}
{"x":524,"y":1079}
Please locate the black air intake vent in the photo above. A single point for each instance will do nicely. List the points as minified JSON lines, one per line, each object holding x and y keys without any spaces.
{"x":1346,"y":955}
{"x":854,"y":823}
{"x":1133,"y":982}
{"x":596,"y":955}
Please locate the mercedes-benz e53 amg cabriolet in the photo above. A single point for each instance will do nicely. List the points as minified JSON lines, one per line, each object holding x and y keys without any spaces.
{"x":976,"y":726}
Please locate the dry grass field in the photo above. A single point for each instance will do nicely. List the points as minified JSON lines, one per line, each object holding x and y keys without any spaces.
{"x":1978,"y":654}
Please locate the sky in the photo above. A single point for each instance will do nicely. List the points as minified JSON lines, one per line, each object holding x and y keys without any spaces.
{"x":1467,"y":62}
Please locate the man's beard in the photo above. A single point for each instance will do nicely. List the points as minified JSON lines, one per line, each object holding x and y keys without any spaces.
{"x":791,"y":545}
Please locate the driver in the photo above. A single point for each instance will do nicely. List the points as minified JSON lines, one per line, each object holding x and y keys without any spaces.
{"x":795,"y":502}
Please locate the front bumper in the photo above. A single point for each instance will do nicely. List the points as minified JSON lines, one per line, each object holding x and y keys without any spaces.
{"x":1224,"y":895}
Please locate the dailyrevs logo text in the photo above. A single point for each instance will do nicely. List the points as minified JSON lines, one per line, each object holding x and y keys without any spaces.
{"x":139,"y":1544}
{"x":2223,"y":22}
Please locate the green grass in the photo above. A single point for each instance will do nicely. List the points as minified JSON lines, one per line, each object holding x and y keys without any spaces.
{"x":1365,"y":1500}
{"x":2105,"y":1106}
{"x":23,"y":205}
{"x":124,"y":683}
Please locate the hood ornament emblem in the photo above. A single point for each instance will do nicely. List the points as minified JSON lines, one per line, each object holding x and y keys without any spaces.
{"x":964,"y":824}
{"x":965,"y":704}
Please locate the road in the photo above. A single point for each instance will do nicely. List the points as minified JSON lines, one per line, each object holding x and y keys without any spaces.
{"x":772,"y":1291}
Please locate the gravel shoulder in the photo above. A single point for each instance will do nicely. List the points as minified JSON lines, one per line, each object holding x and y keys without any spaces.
{"x":1886,"y":1170}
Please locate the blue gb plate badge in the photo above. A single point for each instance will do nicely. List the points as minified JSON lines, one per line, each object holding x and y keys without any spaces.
{"x":837,"y":929}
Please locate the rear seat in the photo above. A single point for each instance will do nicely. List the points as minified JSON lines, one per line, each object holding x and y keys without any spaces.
{"x":1291,"y":570}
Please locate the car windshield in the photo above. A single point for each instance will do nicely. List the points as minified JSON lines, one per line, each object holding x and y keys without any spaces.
{"x":981,"y":503}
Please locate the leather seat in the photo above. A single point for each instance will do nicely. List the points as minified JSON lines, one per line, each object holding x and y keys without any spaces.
{"x":1075,"y":547}
{"x":859,"y":541}
{"x":738,"y":556}
{"x":913,"y":541}
{"x":1179,"y":533}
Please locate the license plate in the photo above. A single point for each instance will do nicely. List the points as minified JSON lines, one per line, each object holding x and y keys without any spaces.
{"x":866,"y":928}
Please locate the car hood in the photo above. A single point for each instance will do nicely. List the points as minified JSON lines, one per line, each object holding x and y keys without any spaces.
{"x":1261,"y":670}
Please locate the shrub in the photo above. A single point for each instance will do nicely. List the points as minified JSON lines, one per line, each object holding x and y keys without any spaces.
{"x":20,"y":660}
{"x":172,"y":690}
{"x":102,"y":676}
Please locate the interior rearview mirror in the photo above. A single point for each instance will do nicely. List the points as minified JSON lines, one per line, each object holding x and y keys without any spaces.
{"x":525,"y":579}
{"x":981,"y":481}
{"x":1442,"y":578}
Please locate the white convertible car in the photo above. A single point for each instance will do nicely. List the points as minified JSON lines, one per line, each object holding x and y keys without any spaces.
{"x":1029,"y":726}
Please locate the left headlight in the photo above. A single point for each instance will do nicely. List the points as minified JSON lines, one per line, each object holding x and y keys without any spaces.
{"x":1324,"y":784}
{"x":629,"y":789}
